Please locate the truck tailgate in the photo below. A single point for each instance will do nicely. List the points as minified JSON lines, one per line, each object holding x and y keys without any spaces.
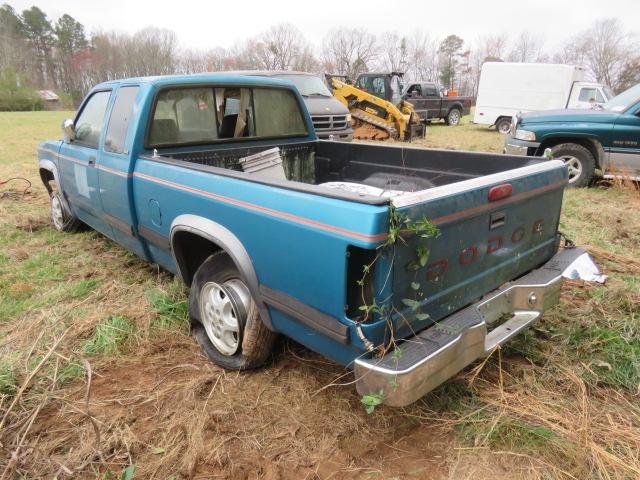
{"x":492,"y":229}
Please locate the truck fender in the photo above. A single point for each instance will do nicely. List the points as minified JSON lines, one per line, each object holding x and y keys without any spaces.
{"x":224,"y":240}
{"x":48,"y":171}
{"x":45,"y":166}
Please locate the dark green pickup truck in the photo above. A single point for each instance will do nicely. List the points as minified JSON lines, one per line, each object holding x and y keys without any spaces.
{"x":605,"y":138}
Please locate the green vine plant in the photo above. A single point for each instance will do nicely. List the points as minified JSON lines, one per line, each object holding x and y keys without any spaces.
{"x":400,"y":225}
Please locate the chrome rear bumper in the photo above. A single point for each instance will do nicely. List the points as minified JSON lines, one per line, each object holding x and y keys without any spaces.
{"x":439,"y":352}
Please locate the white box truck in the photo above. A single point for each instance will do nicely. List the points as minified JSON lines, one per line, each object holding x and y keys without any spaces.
{"x":508,"y":88}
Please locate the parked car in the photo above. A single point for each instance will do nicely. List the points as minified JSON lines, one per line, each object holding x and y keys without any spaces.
{"x":331,"y":119}
{"x":221,"y":179}
{"x":607,"y":139}
{"x":431,"y":104}
{"x":506,"y":89}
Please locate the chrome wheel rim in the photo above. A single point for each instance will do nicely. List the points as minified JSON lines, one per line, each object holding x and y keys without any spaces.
{"x":223,"y":309}
{"x":57,"y":215}
{"x":574,"y":165}
{"x":454,"y":118}
{"x":504,"y":127}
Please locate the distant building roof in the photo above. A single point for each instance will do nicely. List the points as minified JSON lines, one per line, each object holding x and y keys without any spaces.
{"x":48,"y":95}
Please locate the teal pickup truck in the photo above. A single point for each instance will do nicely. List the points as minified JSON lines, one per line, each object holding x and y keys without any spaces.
{"x":357,"y":251}
{"x":605,"y":138}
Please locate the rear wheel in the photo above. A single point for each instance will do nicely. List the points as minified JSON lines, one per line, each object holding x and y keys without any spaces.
{"x":225,"y":318}
{"x":503,"y":125}
{"x":579,"y":161}
{"x":453,"y":117}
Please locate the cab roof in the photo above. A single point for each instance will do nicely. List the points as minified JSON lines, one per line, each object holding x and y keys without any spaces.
{"x":217,"y":77}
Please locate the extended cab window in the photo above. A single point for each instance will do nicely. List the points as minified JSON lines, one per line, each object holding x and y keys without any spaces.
{"x":430,"y":91}
{"x":89,"y":123}
{"x":184,"y":116}
{"x":119,"y":119}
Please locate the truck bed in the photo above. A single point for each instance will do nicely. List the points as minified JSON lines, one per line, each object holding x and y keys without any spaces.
{"x":392,"y":168}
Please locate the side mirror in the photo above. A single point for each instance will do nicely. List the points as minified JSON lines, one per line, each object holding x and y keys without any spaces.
{"x":68,"y":130}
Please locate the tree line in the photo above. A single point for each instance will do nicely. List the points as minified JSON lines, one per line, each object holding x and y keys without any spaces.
{"x":60,"y":54}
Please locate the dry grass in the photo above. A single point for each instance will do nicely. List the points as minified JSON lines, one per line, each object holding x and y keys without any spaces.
{"x":98,"y":372}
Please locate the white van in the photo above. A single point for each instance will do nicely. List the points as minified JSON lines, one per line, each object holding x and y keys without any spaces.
{"x":508,"y":88}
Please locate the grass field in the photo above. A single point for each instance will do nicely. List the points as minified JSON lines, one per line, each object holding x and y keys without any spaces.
{"x":98,"y":372}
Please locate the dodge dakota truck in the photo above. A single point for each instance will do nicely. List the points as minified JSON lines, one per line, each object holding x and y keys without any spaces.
{"x":605,"y":138}
{"x":357,"y":251}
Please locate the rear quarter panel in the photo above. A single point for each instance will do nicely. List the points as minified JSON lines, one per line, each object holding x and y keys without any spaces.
{"x":296,"y":241}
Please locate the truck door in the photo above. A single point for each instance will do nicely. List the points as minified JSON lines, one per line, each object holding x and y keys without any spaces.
{"x":114,"y":168}
{"x":624,"y":154}
{"x":432,"y":100}
{"x":414,"y":95}
{"x":79,"y":175}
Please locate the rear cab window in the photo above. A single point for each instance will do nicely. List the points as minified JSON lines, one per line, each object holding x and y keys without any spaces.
{"x":207,"y":115}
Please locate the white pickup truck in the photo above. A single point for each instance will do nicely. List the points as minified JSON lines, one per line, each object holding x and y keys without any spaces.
{"x":507,"y":89}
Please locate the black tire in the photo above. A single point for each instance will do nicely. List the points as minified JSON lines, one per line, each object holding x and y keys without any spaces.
{"x":61,"y":217}
{"x":579,"y":160}
{"x":503,"y":125}
{"x":218,"y":274}
{"x":453,"y":117}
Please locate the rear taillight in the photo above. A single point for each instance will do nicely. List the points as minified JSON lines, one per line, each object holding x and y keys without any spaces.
{"x":500,"y":191}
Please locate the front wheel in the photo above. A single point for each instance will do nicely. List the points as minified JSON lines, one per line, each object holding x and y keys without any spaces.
{"x":225,"y":318}
{"x":61,"y":218}
{"x":578,"y":160}
{"x":453,"y":117}
{"x":503,"y":125}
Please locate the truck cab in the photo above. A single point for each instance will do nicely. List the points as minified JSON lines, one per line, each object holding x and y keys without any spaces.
{"x":586,"y":95}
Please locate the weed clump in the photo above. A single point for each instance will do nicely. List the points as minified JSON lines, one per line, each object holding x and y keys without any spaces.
{"x":111,"y":336}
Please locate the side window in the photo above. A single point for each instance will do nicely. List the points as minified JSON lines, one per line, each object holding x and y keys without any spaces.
{"x":415,"y":90}
{"x":599,"y":97}
{"x":119,"y":120}
{"x":277,"y":113}
{"x":587,"y":95}
{"x":89,"y":123}
{"x":430,"y":91}
{"x":378,"y":87}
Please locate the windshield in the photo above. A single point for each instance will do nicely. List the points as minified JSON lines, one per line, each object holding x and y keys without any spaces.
{"x":609,"y":93}
{"x":624,"y":100}
{"x":307,"y":85}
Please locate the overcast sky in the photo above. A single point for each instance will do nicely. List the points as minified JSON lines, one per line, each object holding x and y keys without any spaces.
{"x":206,"y":24}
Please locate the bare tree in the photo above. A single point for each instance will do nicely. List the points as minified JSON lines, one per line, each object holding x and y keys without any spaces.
{"x":280,"y":48}
{"x":423,"y":57}
{"x":349,"y":51}
{"x":526,"y":48}
{"x":393,"y":52}
{"x":607,"y":50}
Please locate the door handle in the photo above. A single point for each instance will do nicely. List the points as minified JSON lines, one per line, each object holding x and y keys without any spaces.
{"x":92,"y":161}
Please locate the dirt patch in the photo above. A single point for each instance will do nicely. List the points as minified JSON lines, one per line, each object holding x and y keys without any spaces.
{"x":215,"y":424}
